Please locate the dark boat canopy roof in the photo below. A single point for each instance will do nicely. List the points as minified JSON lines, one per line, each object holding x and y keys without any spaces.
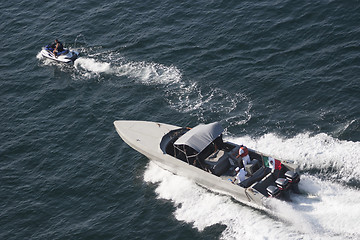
{"x":200,"y":136}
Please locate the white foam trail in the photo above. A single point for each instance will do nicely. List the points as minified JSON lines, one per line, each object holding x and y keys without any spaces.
{"x":188,"y":97}
{"x":183,"y":96}
{"x":91,"y":65}
{"x":94,"y":65}
{"x":332,"y":213}
{"x":203,"y":209}
{"x":39,"y":55}
{"x":143,"y":72}
{"x":319,"y":151}
{"x":149,"y":73}
{"x":330,"y":210}
{"x":334,"y":209}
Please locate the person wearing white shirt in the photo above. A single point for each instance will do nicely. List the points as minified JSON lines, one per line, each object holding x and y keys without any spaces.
{"x":240,"y":175}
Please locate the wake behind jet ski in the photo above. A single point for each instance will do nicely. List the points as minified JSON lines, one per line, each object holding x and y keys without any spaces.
{"x":57,"y":52}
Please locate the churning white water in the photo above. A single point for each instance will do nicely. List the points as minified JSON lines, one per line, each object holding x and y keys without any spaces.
{"x":331,"y":210}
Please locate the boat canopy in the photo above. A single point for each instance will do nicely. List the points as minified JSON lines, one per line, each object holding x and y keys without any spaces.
{"x":200,"y":136}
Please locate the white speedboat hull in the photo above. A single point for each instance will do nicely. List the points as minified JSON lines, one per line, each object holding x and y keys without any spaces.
{"x":145,"y":137}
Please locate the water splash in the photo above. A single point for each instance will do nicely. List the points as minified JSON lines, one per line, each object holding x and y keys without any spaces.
{"x":183,"y":96}
{"x":90,"y":65}
{"x":96,"y":63}
{"x":329,"y":210}
{"x":189,"y":97}
{"x":148,"y":73}
{"x":201,"y":208}
{"x":335,"y":159}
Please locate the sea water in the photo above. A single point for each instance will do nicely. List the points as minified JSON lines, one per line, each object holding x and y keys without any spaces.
{"x":281,"y":77}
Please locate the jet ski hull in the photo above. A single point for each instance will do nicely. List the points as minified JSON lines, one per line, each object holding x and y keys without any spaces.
{"x":65,"y":56}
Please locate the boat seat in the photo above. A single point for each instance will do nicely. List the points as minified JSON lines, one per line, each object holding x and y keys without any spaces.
{"x":257,"y":176}
{"x":252,"y":167}
{"x":232,"y":155}
{"x":218,"y":162}
{"x":214,"y":158}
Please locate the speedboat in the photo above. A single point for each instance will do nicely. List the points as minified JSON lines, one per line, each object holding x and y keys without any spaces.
{"x":66,"y":56}
{"x":201,"y":154}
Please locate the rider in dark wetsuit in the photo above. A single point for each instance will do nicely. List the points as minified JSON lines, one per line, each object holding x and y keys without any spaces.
{"x":57,"y":46}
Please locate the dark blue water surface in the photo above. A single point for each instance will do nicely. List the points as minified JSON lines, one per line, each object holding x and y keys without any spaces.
{"x":281,"y":76}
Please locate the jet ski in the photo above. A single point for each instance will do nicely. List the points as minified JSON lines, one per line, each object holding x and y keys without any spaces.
{"x":65,"y":56}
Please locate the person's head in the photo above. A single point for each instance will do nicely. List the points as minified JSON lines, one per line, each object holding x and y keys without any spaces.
{"x":56,"y":40}
{"x":237,"y":169}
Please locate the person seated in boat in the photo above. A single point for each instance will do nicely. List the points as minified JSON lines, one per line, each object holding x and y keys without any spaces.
{"x":58,"y":47}
{"x":243,"y":155}
{"x":240,"y":175}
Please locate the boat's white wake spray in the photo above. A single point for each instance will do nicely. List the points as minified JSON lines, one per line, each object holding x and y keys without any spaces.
{"x":329,"y":210}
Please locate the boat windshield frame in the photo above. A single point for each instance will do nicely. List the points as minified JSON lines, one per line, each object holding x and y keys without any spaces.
{"x":201,"y":136}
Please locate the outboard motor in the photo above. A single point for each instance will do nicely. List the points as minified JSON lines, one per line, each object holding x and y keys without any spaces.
{"x":294,"y":179}
{"x":273,"y":191}
{"x":283,"y":184}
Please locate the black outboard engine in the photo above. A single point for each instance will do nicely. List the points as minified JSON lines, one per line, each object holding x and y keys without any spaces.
{"x":273,"y":191}
{"x":294,"y":179}
{"x":283,"y":185}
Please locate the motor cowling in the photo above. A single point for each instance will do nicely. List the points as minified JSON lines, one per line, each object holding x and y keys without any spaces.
{"x":273,"y":191}
{"x":282,"y":183}
{"x":294,"y":179}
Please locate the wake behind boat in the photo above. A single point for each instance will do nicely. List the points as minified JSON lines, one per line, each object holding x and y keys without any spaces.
{"x":201,"y":154}
{"x":65,"y":55}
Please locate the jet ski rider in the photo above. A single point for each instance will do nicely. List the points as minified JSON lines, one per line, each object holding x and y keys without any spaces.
{"x":58,"y":47}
